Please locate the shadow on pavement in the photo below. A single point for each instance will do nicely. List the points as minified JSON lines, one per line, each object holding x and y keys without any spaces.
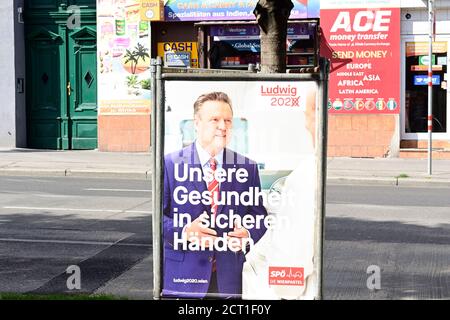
{"x":413,"y":260}
{"x":37,"y":248}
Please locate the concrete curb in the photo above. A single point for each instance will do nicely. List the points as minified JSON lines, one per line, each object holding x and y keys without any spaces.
{"x":385,"y":181}
{"x":141,"y":175}
{"x":425,"y":182}
{"x":390,"y":181}
{"x":146,"y":175}
{"x":33,"y":172}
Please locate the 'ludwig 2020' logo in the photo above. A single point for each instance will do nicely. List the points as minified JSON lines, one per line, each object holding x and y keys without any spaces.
{"x":286,"y":276}
{"x":281,"y":95}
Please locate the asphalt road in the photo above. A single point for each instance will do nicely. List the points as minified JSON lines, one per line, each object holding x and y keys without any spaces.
{"x":404,"y":231}
{"x":103,"y":226}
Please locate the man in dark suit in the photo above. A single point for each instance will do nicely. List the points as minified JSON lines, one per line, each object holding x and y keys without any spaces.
{"x":213,"y":268}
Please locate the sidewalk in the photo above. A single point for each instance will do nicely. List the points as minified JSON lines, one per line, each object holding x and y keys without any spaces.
{"x":92,"y":163}
{"x":388,"y":171}
{"x":88,"y":163}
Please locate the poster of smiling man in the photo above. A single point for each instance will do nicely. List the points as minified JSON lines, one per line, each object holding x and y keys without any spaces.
{"x":239,"y":206}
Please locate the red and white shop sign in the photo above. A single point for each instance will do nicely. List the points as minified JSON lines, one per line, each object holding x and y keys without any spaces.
{"x":364,"y":47}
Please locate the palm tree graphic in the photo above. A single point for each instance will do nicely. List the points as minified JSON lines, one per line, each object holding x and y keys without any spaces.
{"x":139,"y":53}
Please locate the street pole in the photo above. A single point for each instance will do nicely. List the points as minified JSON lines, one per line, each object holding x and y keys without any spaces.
{"x":430,"y":85}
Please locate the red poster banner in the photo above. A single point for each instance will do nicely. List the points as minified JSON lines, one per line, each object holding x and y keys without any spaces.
{"x":364,"y":48}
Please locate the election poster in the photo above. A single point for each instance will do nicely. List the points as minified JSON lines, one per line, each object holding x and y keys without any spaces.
{"x":362,"y":40}
{"x":240,"y":190}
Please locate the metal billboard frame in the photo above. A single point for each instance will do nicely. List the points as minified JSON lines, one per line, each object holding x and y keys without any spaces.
{"x":159,"y":75}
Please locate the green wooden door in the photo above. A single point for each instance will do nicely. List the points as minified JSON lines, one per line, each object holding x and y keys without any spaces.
{"x":45,"y":80}
{"x":61,"y":84}
{"x":82,"y":88}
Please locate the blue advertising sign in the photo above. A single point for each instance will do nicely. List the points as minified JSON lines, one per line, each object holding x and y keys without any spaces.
{"x":422,"y":80}
{"x":252,"y":32}
{"x":294,"y":31}
{"x":207,"y":10}
{"x":177,"y":59}
{"x":245,"y":45}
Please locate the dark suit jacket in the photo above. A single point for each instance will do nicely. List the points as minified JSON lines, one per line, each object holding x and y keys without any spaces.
{"x":187,"y":273}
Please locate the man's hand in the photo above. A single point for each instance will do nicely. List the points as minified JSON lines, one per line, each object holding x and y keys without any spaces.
{"x":197,"y":230}
{"x":235,"y":237}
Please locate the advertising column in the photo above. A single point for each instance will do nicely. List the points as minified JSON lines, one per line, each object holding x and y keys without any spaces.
{"x":362,"y":39}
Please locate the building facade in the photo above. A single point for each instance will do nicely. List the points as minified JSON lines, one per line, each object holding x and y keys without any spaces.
{"x":12,"y":110}
{"x":50,"y":74}
{"x":76,"y":72}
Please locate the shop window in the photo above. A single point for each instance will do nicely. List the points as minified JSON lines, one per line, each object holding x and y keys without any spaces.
{"x":235,"y":46}
{"x":416,"y":85}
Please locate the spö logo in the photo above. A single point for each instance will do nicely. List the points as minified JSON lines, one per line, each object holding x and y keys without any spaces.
{"x":286,"y":276}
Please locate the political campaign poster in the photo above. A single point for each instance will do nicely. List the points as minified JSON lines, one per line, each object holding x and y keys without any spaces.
{"x":240,"y":190}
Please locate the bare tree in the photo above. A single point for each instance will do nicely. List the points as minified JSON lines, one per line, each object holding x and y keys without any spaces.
{"x":272,"y":17}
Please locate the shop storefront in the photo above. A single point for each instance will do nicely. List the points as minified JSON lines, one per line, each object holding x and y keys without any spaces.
{"x":235,"y":45}
{"x":191,"y":34}
{"x":378,"y":85}
{"x":224,"y":35}
{"x":414,"y":65}
{"x":378,"y":91}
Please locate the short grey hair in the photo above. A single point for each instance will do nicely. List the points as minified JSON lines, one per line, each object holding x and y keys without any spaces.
{"x":211,"y":96}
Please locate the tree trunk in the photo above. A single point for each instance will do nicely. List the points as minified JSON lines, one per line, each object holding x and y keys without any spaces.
{"x":272,"y":17}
